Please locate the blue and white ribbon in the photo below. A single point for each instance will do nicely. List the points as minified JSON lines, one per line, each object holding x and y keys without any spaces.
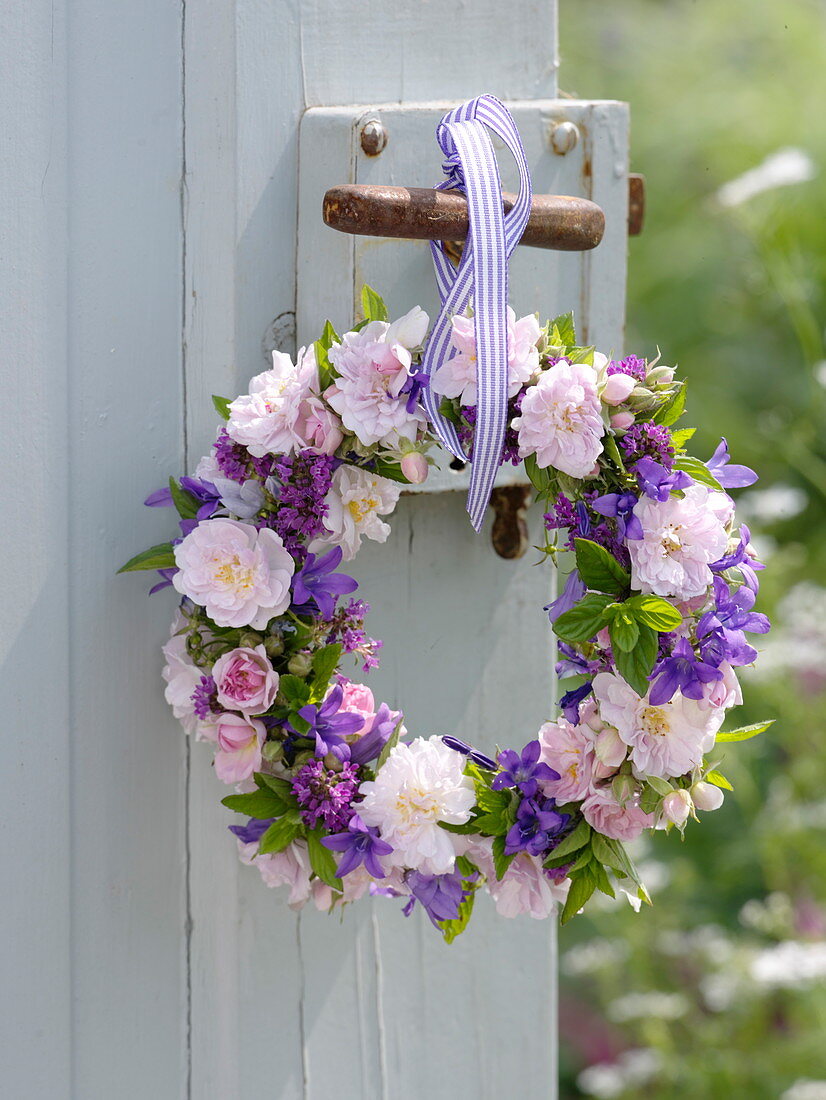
{"x":482,"y":275}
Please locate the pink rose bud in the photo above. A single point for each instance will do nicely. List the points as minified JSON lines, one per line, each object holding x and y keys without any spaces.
{"x":706,"y":796}
{"x":622,"y":420}
{"x":677,"y":807}
{"x":618,"y":388}
{"x":609,"y":748}
{"x":415,"y":468}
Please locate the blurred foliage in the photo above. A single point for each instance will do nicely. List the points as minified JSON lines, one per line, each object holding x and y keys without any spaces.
{"x":737,"y":297}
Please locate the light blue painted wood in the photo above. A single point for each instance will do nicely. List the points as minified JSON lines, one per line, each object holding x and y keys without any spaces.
{"x":92,"y":780}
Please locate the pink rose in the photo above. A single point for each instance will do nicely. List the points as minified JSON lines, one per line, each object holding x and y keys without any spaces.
{"x":561,"y":420}
{"x":239,"y":747}
{"x":358,"y":699}
{"x":318,"y":426}
{"x":245,"y":680}
{"x":569,"y":750}
{"x":603,"y":813}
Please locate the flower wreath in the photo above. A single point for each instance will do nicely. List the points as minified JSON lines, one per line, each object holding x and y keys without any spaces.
{"x":652,"y":624}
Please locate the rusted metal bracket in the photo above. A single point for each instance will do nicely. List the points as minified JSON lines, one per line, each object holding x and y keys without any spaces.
{"x":560,"y":222}
{"x":510,"y":527}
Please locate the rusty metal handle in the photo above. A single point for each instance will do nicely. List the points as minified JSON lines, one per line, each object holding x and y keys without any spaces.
{"x":560,"y":222}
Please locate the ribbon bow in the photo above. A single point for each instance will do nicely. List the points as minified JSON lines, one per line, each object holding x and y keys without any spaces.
{"x":482,"y":275}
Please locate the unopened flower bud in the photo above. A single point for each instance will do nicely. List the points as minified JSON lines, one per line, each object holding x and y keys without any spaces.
{"x":300,"y":664}
{"x":274,"y":645}
{"x":250,"y":640}
{"x":659,"y":376}
{"x":623,"y":788}
{"x":622,"y":420}
{"x":677,"y":807}
{"x":609,"y":749}
{"x":415,"y":467}
{"x":332,"y":762}
{"x":272,"y":750}
{"x":617,"y":388}
{"x":706,"y":796}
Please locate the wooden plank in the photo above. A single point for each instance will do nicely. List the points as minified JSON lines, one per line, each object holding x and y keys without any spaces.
{"x":124,"y":418}
{"x":35,"y":915}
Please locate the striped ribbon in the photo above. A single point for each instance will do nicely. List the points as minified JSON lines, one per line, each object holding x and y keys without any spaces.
{"x":482,"y":275}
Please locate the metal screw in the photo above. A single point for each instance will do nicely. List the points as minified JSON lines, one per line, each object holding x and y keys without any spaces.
{"x":373,"y":137}
{"x":564,"y":137}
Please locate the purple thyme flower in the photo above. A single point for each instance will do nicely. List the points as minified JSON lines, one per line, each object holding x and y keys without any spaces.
{"x":317,"y":585}
{"x":359,"y":845}
{"x":657,"y":482}
{"x":728,"y":474}
{"x":329,"y":727}
{"x":347,"y":627}
{"x":439,"y":895}
{"x":466,"y":430}
{"x":233,"y":459}
{"x":537,"y":823}
{"x":683,"y":671}
{"x":572,"y":593}
{"x":523,"y":772}
{"x":653,"y":440}
{"x":477,"y":757}
{"x":252,"y":832}
{"x":620,"y":506}
{"x":570,"y":701}
{"x":205,"y":698}
{"x":632,"y":365}
{"x":369,"y":744}
{"x":304,"y":482}
{"x":326,"y":795}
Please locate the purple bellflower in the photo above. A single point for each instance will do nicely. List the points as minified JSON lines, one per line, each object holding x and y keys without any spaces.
{"x":537,"y":823}
{"x":416,"y":382}
{"x":370,"y":744}
{"x":523,"y":772}
{"x":317,"y":585}
{"x":620,"y":506}
{"x":658,"y":482}
{"x":572,"y":593}
{"x":570,"y":701}
{"x":472,"y":754}
{"x":329,"y":727}
{"x":439,"y":895}
{"x":721,"y":631}
{"x":254,"y":829}
{"x":359,"y":845}
{"x":683,"y":671}
{"x":729,"y":475}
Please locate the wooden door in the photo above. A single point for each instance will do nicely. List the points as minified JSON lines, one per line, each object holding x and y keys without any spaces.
{"x":167,"y":154}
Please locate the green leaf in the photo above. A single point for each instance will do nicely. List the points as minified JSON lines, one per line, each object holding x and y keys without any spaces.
{"x":258,"y":804}
{"x":372,"y":305}
{"x":161,"y":556}
{"x":579,"y":838}
{"x":389,"y":745}
{"x":718,"y":780}
{"x":613,"y":451}
{"x":501,"y":862}
{"x":613,"y":854}
{"x":655,"y":612}
{"x":603,"y":882}
{"x":649,"y":800}
{"x":672,"y":410}
{"x":600,"y":570}
{"x":299,"y":724}
{"x":391,"y":470}
{"x":541,"y":479}
{"x":322,"y":860}
{"x":696,"y":469}
{"x":583,"y":884}
{"x":447,"y":409}
{"x":185,"y":503}
{"x":584,"y":620}
{"x":681,"y":437}
{"x":296,"y":691}
{"x":222,"y":405}
{"x":280,"y":787}
{"x":281,"y":833}
{"x":564,"y":330}
{"x":624,"y":631}
{"x":635,"y":665}
{"x":468,"y":828}
{"x":661,"y":786}
{"x":328,"y":337}
{"x":325,"y":661}
{"x":744,"y":733}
